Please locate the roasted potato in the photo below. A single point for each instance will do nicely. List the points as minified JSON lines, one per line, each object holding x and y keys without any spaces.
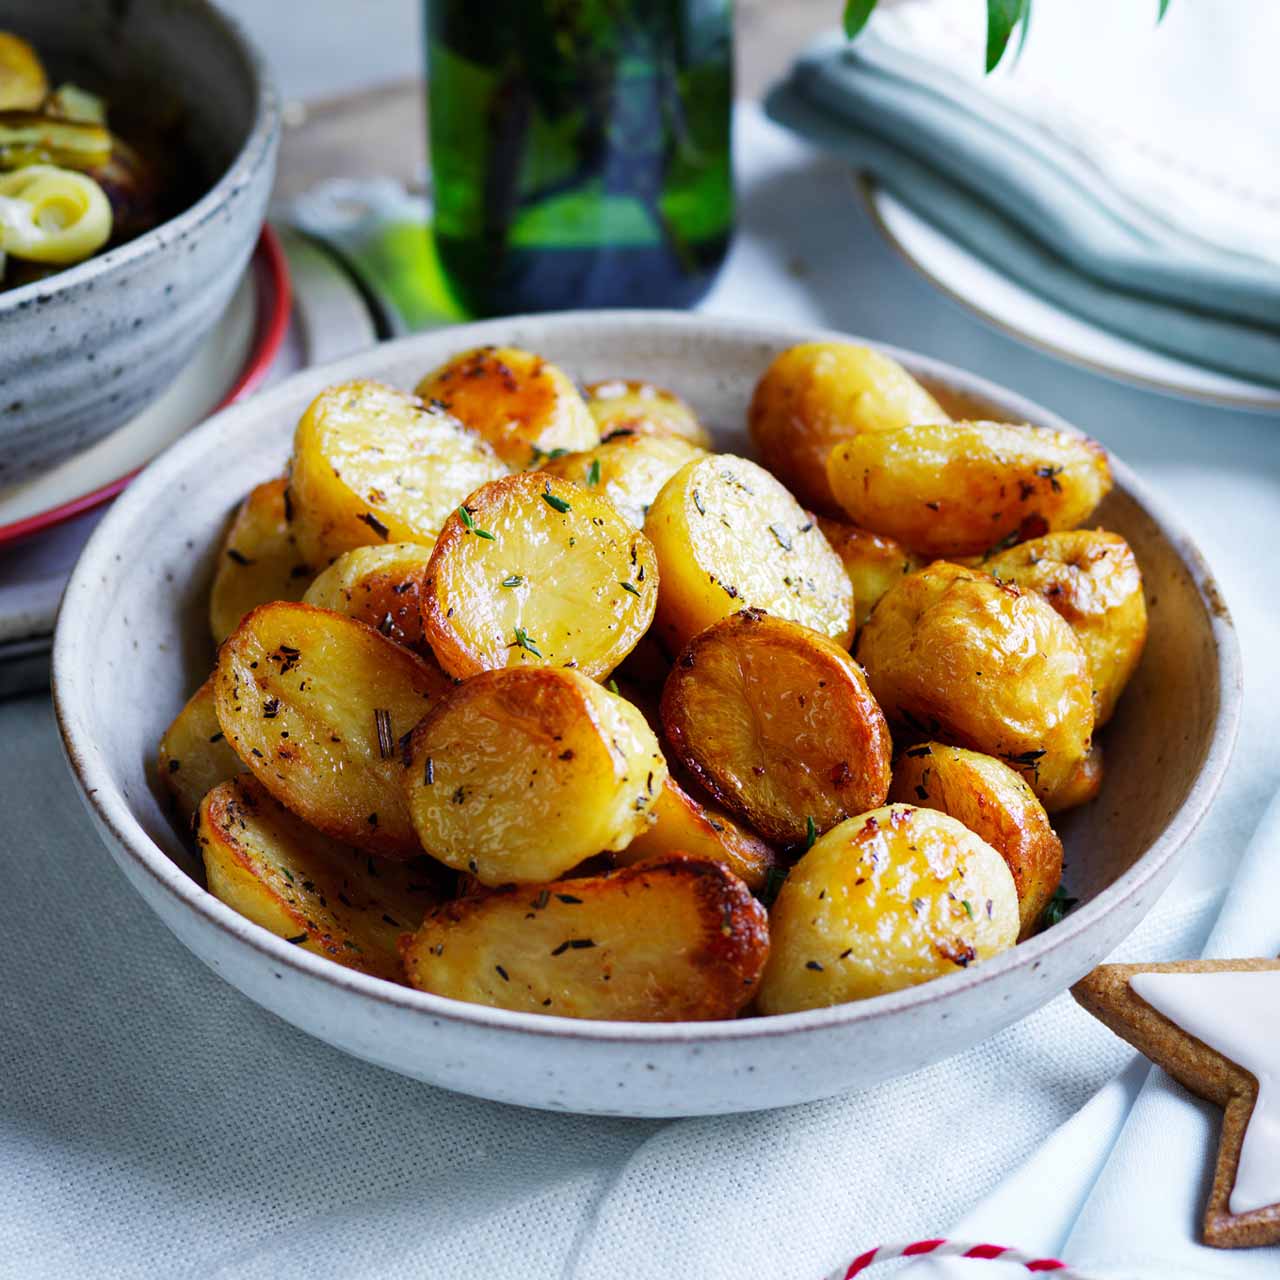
{"x":951,"y":654}
{"x":884,"y":901}
{"x":518,"y":774}
{"x":379,"y":586}
{"x":957,"y":489}
{"x":673,"y":939}
{"x":536,"y":571}
{"x":194,"y":756}
{"x":872,"y":561}
{"x":317,"y":705}
{"x":1081,"y":787}
{"x":259,"y":560}
{"x":324,"y":896}
{"x":994,"y":803}
{"x":705,"y":830}
{"x":818,"y":394}
{"x":629,"y":470}
{"x":523,"y":405}
{"x":372,"y":464}
{"x":777,"y":722}
{"x":1091,"y":578}
{"x":626,"y":406}
{"x":729,"y":536}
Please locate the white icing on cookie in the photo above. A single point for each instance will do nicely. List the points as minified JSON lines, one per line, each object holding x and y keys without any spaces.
{"x":1238,"y":1014}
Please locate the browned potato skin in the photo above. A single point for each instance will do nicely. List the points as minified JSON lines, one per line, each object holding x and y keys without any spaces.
{"x":777,"y":722}
{"x":995,"y":803}
{"x":321,"y":895}
{"x":959,"y":488}
{"x":523,"y":405}
{"x":194,"y":755}
{"x":259,"y":560}
{"x":953,"y":655}
{"x":1091,"y":579}
{"x":642,"y":409}
{"x":817,"y":394}
{"x":704,"y":830}
{"x":1082,"y":786}
{"x":319,"y":678}
{"x":872,"y":561}
{"x":673,"y":939}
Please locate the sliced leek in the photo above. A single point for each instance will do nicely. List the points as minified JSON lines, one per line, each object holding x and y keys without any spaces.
{"x":52,"y":215}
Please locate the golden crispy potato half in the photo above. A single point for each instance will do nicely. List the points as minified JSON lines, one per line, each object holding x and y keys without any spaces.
{"x":272,"y":868}
{"x":886,"y":900}
{"x":728,"y":536}
{"x":379,"y":586}
{"x":519,"y":775}
{"x":194,"y":755}
{"x":1081,"y":787}
{"x":673,"y":939}
{"x":957,"y":489}
{"x":259,"y":560}
{"x":704,"y":830}
{"x":537,"y":571}
{"x":777,"y":722}
{"x":625,"y":405}
{"x":994,"y":803}
{"x":317,"y":705}
{"x":872,"y":561}
{"x":629,"y":470}
{"x":523,"y":405}
{"x":372,"y":464}
{"x":818,"y":394}
{"x":951,"y":654}
{"x":1091,"y":579}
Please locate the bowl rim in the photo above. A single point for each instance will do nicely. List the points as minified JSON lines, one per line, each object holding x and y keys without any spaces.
{"x":103,"y":795}
{"x":238,"y":173}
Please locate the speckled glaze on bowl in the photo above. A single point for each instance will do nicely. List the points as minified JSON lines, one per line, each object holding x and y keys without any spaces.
{"x":133,"y":641}
{"x":84,"y":350}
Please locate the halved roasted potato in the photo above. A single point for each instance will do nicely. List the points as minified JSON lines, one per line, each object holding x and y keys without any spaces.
{"x":817,"y":394}
{"x":379,"y":586}
{"x":957,"y":489}
{"x":625,"y":405}
{"x":886,"y":900}
{"x":728,"y":536}
{"x":258,"y":562}
{"x":328,"y":898}
{"x":372,"y":464}
{"x":319,"y":707}
{"x":524,"y":406}
{"x":194,"y":756}
{"x":518,"y":775}
{"x":1082,"y":786}
{"x":994,"y":803}
{"x":1091,"y":578}
{"x":777,"y":722}
{"x":872,"y":561}
{"x":629,"y":470}
{"x":673,"y":939}
{"x":704,"y":830}
{"x":536,"y":571}
{"x":951,"y":654}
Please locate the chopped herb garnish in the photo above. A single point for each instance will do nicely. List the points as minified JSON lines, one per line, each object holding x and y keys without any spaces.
{"x":470,"y":525}
{"x":539,"y":454}
{"x":502,"y":973}
{"x":784,"y":540}
{"x":697,"y":502}
{"x":302,"y":937}
{"x":613,"y":687}
{"x":271,"y":708}
{"x":773,"y":883}
{"x":375,"y":524}
{"x":573,"y":944}
{"x":1057,"y":907}
{"x":593,"y":472}
{"x":238,"y":556}
{"x":523,"y":641}
{"x":626,"y":586}
{"x":569,"y":899}
{"x":544,"y":896}
{"x":382,"y":725}
{"x":810,"y":832}
{"x":1028,"y":758}
{"x":554,"y":502}
{"x":814,"y":965}
{"x":514,"y":580}
{"x":429,"y":773}
{"x":968,"y":910}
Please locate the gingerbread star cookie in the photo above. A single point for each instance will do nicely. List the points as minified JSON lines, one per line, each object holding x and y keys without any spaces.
{"x":1214,"y":1025}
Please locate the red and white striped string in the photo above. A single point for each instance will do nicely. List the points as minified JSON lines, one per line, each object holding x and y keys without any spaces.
{"x":954,"y":1249}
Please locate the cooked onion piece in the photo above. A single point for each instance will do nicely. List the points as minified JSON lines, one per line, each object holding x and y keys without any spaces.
{"x":674,"y":939}
{"x":519,"y":775}
{"x":872,"y":561}
{"x":886,"y":900}
{"x":536,"y":571}
{"x":777,"y":722}
{"x":193,"y":756}
{"x":624,"y":405}
{"x":729,"y":536}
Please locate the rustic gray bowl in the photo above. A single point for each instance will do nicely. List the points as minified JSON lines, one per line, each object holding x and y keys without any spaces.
{"x":84,"y":350}
{"x":133,"y":641}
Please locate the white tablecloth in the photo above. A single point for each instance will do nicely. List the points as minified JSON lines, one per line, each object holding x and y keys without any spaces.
{"x":153,"y":1121}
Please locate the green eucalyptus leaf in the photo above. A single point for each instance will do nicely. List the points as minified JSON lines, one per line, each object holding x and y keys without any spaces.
{"x":1002,"y":17}
{"x":856,"y":13}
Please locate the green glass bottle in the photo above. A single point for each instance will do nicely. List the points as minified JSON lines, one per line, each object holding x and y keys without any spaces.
{"x":580,"y":150}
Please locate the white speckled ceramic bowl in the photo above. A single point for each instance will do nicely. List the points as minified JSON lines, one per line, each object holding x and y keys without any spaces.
{"x":133,"y":641}
{"x":83,"y":351}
